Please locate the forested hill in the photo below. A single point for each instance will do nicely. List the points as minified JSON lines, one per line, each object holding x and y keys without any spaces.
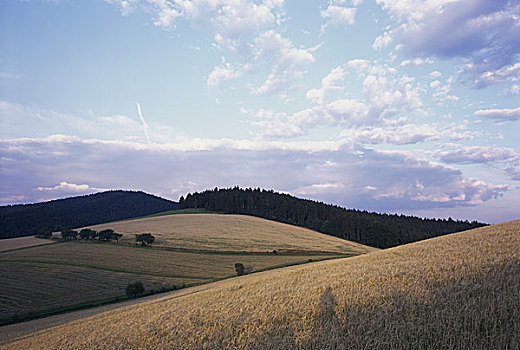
{"x":376,"y":230}
{"x":29,"y":219}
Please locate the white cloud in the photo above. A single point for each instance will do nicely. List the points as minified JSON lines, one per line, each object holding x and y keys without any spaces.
{"x":243,"y":30}
{"x":504,"y":74}
{"x":335,"y":76}
{"x":64,"y":186}
{"x":484,"y":34}
{"x":222,"y":74}
{"x":435,"y":74}
{"x":416,"y":62}
{"x":339,"y":15}
{"x":500,"y":115}
{"x":289,"y":62}
{"x":408,"y":133}
{"x":329,"y":88}
{"x":352,"y":111}
{"x":478,"y":154}
{"x":382,"y":41}
{"x":504,"y":158}
{"x":386,"y":95}
{"x":442,"y":92}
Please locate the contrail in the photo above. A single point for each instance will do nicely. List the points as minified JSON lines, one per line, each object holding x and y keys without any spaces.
{"x":145,"y":126}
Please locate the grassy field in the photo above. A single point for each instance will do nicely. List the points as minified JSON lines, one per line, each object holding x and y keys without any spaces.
{"x":459,"y":291}
{"x":22,"y":242}
{"x":231,"y":232}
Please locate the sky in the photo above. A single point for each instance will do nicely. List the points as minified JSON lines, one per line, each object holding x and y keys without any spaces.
{"x":397,"y":106}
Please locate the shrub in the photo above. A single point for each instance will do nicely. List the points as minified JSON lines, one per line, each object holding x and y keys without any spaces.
{"x":240,"y":269}
{"x":134,"y":289}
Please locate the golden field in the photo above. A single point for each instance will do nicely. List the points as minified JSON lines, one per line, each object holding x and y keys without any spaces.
{"x":22,"y":242}
{"x":70,"y":274}
{"x":460,"y":291}
{"x":231,"y":232}
{"x":150,"y":261}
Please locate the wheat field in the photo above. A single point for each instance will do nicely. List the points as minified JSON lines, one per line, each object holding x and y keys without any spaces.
{"x":231,"y":232}
{"x":460,"y":291}
{"x":22,"y":242}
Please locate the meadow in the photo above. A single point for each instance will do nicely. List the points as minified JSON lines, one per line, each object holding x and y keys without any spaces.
{"x":459,"y":291}
{"x":231,"y":232}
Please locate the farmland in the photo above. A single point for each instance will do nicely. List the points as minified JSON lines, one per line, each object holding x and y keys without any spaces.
{"x":22,"y":242}
{"x":33,"y":287}
{"x":79,"y":273}
{"x":456,"y":291}
{"x":231,"y":232}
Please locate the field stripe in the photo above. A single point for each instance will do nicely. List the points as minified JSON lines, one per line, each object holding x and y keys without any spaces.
{"x":60,"y":263}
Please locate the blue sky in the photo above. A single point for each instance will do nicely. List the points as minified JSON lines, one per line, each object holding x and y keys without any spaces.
{"x":407,"y":106}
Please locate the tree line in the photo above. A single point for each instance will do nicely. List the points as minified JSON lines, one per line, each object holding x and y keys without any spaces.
{"x":106,"y":235}
{"x":373,"y":229}
{"x":40,"y":218}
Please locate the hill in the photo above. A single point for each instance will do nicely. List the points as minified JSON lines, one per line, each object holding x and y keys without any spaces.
{"x":373,"y":229}
{"x":190,"y":249}
{"x":456,"y":291}
{"x":218,"y":232}
{"x":30,"y":219}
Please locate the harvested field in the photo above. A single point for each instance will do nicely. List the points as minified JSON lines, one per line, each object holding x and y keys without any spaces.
{"x":32,"y":287}
{"x":22,"y":242}
{"x":149,"y":261}
{"x":459,"y":291}
{"x":232,"y":232}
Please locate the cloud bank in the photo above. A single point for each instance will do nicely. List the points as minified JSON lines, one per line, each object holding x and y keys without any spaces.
{"x":347,"y":175}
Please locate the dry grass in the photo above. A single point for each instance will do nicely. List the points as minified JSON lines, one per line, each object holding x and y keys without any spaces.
{"x":31,"y":287}
{"x":148,"y":261}
{"x":454,"y":292}
{"x":22,"y":242}
{"x":232,"y":232}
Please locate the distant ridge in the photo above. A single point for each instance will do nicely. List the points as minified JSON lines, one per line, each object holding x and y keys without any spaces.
{"x":373,"y":229}
{"x":30,"y":219}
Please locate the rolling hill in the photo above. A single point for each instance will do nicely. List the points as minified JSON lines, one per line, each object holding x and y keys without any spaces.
{"x":373,"y":229}
{"x":455,"y":291}
{"x":218,"y":232}
{"x":30,"y":219}
{"x":191,"y":249}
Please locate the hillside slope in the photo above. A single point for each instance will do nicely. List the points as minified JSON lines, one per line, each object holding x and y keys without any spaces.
{"x":232,"y":232}
{"x":373,"y":229}
{"x":30,"y":219}
{"x":456,"y":291}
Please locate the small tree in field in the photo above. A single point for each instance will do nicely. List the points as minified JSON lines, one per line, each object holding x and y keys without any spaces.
{"x":106,"y":235}
{"x":144,"y":238}
{"x":69,"y":234}
{"x":86,"y":233}
{"x":240,"y":269}
{"x":134,"y":289}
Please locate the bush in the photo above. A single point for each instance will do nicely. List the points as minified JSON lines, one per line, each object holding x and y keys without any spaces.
{"x":240,"y":269}
{"x":144,"y":238}
{"x":134,"y":289}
